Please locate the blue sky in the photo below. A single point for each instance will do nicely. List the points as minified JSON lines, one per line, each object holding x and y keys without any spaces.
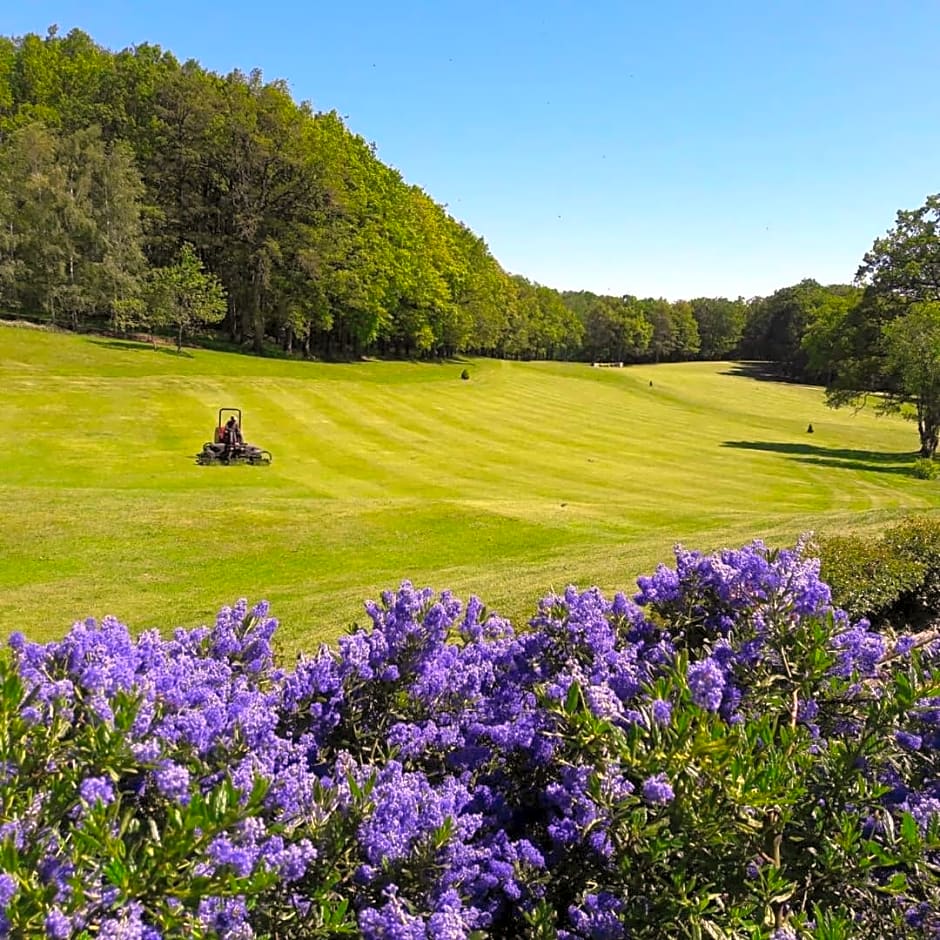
{"x":666,"y":148}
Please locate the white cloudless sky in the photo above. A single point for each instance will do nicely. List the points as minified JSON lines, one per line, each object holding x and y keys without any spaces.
{"x":675,"y":149}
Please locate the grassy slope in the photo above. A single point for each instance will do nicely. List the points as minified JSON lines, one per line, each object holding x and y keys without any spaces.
{"x":528,"y":477}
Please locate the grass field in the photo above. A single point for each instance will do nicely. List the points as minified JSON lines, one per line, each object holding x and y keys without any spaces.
{"x":526,"y":478}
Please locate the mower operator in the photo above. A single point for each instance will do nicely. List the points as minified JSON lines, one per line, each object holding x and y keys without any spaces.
{"x":231,"y":436}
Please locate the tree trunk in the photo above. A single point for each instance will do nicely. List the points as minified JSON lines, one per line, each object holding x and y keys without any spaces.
{"x":928,"y":426}
{"x":928,"y":442}
{"x":257,"y":318}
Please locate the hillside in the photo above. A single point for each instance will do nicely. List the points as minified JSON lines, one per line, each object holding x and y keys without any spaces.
{"x":112,"y":163}
{"x":525,"y":478}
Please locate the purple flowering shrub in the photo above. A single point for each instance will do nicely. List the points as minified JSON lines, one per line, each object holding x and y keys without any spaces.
{"x":723,"y":755}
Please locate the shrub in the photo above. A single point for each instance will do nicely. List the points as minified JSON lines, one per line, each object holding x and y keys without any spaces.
{"x":725,"y":755}
{"x":465,"y":375}
{"x":917,"y":540}
{"x":926,"y":468}
{"x":890,"y":579}
{"x":868,"y":577}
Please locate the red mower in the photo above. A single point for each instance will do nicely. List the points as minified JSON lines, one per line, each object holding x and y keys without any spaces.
{"x":228,"y":446}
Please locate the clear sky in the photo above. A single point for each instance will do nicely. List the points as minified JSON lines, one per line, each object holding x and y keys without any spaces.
{"x":673,"y":148}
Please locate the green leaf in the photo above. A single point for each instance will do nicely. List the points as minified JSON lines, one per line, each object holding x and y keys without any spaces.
{"x":573,"y":698}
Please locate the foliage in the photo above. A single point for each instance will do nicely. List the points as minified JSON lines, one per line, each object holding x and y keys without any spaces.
{"x":904,"y":264}
{"x":720,"y":325}
{"x":110,"y":161}
{"x":114,"y":160}
{"x":868,"y":578}
{"x":321,"y":247}
{"x":794,"y":326}
{"x":896,"y":366}
{"x":615,"y":329}
{"x":926,"y":468}
{"x":888,"y":346}
{"x":184,"y":296}
{"x":912,"y":360}
{"x":465,"y":374}
{"x":627,"y":329}
{"x":917,"y":539}
{"x":71,"y":215}
{"x":675,"y":331}
{"x":891,"y":579}
{"x":725,"y":756}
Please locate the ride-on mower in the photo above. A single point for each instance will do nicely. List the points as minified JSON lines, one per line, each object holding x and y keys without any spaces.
{"x":227,"y":445}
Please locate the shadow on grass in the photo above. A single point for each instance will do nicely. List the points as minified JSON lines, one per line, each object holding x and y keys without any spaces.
{"x":763,"y":372}
{"x":137,"y":346}
{"x":269,"y":352}
{"x":901,"y":464}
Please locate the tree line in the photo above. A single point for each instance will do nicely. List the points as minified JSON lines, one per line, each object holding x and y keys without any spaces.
{"x":111,"y":164}
{"x":121,"y":171}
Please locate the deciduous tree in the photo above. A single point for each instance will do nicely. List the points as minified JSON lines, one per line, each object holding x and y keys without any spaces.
{"x":720,"y":325}
{"x":184,"y":295}
{"x":891,"y":338}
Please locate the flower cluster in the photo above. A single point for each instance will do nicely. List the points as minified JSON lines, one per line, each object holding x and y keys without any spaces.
{"x":442,"y":774}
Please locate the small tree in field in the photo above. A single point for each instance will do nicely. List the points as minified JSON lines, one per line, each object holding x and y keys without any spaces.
{"x":184,"y":295}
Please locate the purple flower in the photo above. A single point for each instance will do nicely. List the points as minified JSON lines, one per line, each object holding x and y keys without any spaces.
{"x":859,"y":650}
{"x":127,"y":925}
{"x":707,"y":684}
{"x":53,"y":870}
{"x":241,"y":859}
{"x":904,"y":645}
{"x":391,"y":922}
{"x":95,"y":789}
{"x":172,"y":781}
{"x":58,"y":926}
{"x":660,"y":587}
{"x":656,"y":790}
{"x":291,"y":861}
{"x":407,"y":809}
{"x":910,"y":742}
{"x":916,"y":916}
{"x":662,"y":712}
{"x":924,"y":808}
{"x":603,"y":701}
{"x":7,"y":890}
{"x":435,"y":738}
{"x":597,"y":917}
{"x":224,"y":916}
{"x":448,"y":922}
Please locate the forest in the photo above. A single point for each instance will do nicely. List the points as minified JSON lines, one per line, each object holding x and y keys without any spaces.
{"x":118,"y":169}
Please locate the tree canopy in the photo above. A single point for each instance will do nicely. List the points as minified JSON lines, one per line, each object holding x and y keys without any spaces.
{"x":183,"y":295}
{"x":882,"y":349}
{"x":912,"y":359}
{"x":111,"y":161}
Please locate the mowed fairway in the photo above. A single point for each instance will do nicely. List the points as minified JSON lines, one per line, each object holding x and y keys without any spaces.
{"x":526,"y":478}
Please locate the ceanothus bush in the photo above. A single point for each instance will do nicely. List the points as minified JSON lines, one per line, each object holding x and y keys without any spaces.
{"x":722,"y":755}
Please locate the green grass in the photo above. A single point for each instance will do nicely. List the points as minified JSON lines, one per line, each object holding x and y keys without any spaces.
{"x":528,"y":477}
